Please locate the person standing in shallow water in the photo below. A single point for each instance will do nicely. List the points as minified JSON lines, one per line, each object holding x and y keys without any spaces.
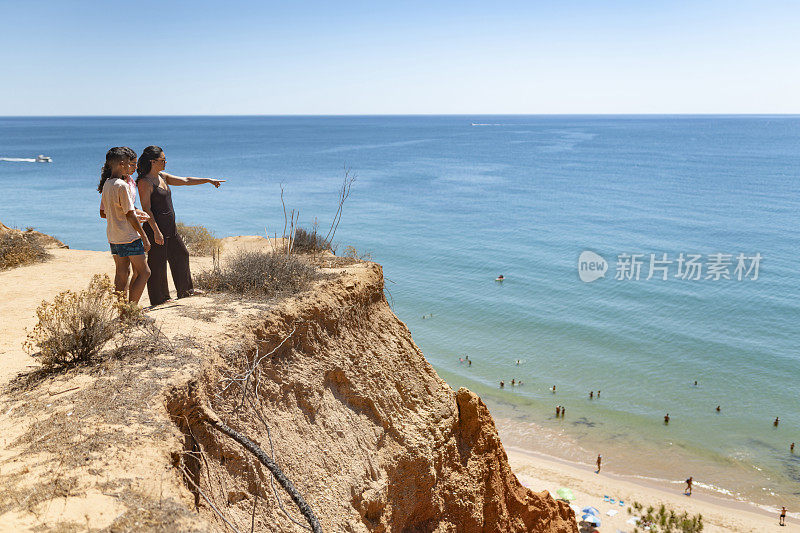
{"x":167,"y":246}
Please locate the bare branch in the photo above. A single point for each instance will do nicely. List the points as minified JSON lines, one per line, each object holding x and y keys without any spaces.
{"x":208,"y":416}
{"x":209,"y":502}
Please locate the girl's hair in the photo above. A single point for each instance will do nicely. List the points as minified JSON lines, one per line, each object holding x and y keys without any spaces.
{"x":145,"y":163}
{"x":118,"y":153}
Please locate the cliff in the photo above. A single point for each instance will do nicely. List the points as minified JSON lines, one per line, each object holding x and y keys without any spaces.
{"x":361,"y":421}
{"x":340,"y":396}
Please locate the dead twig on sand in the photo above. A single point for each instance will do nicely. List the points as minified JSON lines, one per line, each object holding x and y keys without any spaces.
{"x":188,"y":476}
{"x":245,"y":376}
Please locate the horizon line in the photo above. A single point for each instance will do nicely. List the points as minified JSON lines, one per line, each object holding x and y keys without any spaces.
{"x":422,"y":115}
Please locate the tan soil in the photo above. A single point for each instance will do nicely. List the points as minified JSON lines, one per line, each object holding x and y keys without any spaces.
{"x":360,"y":421}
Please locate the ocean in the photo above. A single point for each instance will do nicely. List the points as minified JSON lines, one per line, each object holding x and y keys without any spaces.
{"x":448,"y":203}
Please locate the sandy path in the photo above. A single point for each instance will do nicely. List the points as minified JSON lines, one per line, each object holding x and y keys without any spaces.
{"x":23,"y":289}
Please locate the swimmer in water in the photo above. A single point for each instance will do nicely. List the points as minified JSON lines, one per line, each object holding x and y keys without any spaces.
{"x":502,"y":384}
{"x":666,"y":418}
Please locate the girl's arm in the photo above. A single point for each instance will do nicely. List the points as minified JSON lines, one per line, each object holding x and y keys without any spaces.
{"x":144,"y":194}
{"x":177,"y":180}
{"x":133,"y":221}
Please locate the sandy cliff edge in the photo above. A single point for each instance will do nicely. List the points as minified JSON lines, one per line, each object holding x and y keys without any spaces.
{"x":359,"y":420}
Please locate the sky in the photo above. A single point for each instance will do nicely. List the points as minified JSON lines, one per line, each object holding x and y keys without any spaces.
{"x":378,"y":57}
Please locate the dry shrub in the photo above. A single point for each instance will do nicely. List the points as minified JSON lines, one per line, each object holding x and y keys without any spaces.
{"x":351,"y":253}
{"x":258,"y":274}
{"x":18,"y":249}
{"x":309,"y":241}
{"x":199,"y":240}
{"x":75,"y":326}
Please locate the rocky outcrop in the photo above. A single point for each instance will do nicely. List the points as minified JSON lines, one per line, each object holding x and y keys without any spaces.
{"x":358,"y":420}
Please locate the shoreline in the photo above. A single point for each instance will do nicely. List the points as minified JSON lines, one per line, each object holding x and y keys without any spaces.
{"x":539,"y":471}
{"x":643,"y":453}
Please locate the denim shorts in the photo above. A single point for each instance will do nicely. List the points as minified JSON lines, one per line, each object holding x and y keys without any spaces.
{"x":127,"y":249}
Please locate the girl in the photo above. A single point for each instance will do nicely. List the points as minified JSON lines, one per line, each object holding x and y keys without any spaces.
{"x":153,"y":183}
{"x":126,"y":237}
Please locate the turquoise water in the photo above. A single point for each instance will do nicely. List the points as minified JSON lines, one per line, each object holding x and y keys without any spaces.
{"x":445,"y":206}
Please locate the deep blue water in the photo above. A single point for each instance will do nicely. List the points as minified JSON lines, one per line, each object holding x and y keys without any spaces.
{"x":445,"y":206}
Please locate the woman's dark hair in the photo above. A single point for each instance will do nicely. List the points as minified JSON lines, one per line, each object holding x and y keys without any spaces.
{"x":145,"y":163}
{"x":118,"y":153}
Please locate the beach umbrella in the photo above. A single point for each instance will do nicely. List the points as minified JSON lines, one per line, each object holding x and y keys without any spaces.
{"x":565,"y":494}
{"x":590,"y":510}
{"x":592,"y":519}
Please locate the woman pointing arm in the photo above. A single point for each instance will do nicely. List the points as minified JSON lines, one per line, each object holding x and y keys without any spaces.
{"x":154,"y":189}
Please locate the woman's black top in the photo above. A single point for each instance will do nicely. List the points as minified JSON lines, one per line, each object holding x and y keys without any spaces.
{"x":161,"y":207}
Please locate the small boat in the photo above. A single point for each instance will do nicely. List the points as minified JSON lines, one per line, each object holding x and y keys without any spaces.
{"x":43,"y":159}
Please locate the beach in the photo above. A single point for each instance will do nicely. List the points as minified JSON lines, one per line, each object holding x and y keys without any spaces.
{"x":540,"y":472}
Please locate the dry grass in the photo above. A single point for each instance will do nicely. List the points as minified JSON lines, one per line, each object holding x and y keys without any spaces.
{"x":18,"y":249}
{"x":74,"y":327}
{"x":305,"y":241}
{"x":258,"y":274}
{"x":350,"y":252}
{"x":199,"y":240}
{"x":83,"y":416}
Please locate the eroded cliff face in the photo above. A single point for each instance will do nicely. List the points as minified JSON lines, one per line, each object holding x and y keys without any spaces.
{"x":358,"y":420}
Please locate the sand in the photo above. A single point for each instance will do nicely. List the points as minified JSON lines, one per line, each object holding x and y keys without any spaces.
{"x":22,"y":289}
{"x":541,"y":472}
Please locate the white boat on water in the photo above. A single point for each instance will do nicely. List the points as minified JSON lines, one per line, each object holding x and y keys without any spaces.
{"x":38,"y":159}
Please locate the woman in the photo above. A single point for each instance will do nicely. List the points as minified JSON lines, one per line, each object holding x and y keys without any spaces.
{"x":167,"y":246}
